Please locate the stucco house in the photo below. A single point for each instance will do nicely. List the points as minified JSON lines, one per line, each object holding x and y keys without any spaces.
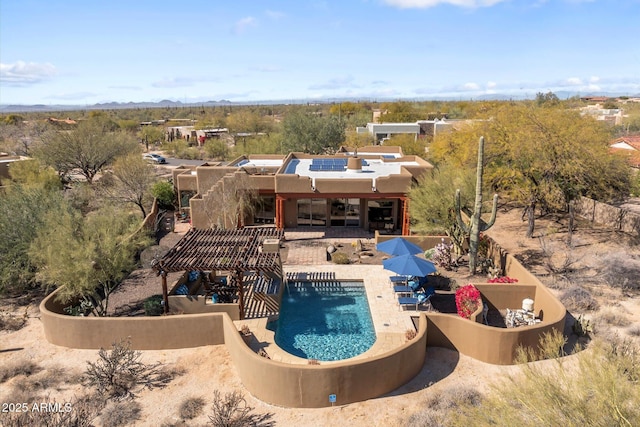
{"x":343,"y":190}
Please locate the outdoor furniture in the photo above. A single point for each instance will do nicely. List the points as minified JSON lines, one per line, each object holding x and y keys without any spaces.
{"x":520,"y":317}
{"x":403,"y":290}
{"x":398,"y":280}
{"x":419,"y":299}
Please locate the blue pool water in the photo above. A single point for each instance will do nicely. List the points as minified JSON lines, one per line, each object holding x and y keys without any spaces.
{"x":324,"y":320}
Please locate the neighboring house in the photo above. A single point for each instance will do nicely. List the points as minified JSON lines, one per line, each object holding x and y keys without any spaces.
{"x":420,"y":129}
{"x":630,"y":146}
{"x":612,"y":116}
{"x":369,"y":191}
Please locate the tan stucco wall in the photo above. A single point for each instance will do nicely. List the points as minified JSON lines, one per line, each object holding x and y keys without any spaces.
{"x":309,"y":386}
{"x":277,"y":383}
{"x":145,"y":333}
{"x":394,"y":184}
{"x":291,"y":183}
{"x":343,"y":186}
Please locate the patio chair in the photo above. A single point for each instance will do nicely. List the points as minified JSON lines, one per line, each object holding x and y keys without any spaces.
{"x":417,"y":300}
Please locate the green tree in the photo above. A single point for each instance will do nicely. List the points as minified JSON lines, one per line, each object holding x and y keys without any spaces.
{"x":548,"y":157}
{"x":399,"y":112}
{"x":22,"y":214}
{"x":312,"y":133}
{"x":163,"y":191}
{"x":410,"y":145}
{"x":86,"y":150}
{"x":151,"y":135}
{"x":548,"y":99}
{"x":129,"y":182}
{"x":216,"y":149}
{"x":433,"y":198}
{"x":87,"y":257}
{"x":31,"y":173}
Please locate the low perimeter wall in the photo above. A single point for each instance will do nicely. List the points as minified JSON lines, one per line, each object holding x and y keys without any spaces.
{"x":277,"y":383}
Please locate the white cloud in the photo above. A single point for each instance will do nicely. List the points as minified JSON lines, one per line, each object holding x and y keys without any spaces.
{"x":471,"y":86}
{"x":574,"y":81}
{"x":274,"y":14}
{"x":244,"y":23}
{"x":424,"y":4}
{"x":491,"y":85}
{"x":594,"y":79}
{"x":335,"y":83}
{"x":25,"y":73}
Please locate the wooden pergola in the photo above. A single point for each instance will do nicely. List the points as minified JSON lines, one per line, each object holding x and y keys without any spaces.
{"x":236,"y":251}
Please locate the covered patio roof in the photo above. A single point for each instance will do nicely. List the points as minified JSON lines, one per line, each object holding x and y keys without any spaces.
{"x":236,"y":251}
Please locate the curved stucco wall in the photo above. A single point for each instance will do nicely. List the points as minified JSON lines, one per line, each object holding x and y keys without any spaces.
{"x":309,"y":386}
{"x":277,"y":383}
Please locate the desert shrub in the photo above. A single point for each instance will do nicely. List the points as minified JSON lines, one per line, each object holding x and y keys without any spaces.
{"x":121,"y":414}
{"x":578,"y":299}
{"x":550,"y":346}
{"x":153,"y":305}
{"x":340,"y":258}
{"x":634,"y":330}
{"x":191,"y":407}
{"x":119,"y":373}
{"x":436,"y":409}
{"x":596,"y":388}
{"x":612,"y":317}
{"x":11,"y":321}
{"x":582,"y":327}
{"x":50,"y":378}
{"x":232,"y":410}
{"x":621,"y":271}
{"x":19,"y":367}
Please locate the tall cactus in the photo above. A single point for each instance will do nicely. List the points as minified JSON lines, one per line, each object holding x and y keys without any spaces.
{"x":474,"y":228}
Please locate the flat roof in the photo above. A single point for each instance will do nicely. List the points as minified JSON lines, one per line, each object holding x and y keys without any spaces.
{"x":375,"y":168}
{"x":258,"y":163}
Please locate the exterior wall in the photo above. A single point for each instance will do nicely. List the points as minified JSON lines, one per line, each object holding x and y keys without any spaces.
{"x":343,"y":186}
{"x":614,"y":217}
{"x":288,"y":183}
{"x":277,"y":383}
{"x":394,"y":184}
{"x":146,"y":333}
{"x":208,"y":176}
{"x":309,"y":386}
{"x":291,"y":213}
{"x":199,"y":218}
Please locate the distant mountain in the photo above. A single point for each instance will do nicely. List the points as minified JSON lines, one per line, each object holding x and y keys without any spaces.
{"x":165,"y":103}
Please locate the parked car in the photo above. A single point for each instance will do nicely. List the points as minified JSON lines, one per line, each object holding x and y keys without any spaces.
{"x":155,"y":158}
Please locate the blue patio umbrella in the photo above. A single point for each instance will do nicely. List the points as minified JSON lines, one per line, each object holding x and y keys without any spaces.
{"x":398,"y":246}
{"x":409,"y":265}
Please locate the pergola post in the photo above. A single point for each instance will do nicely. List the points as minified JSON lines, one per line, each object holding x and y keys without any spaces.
{"x":239,"y":280}
{"x":165,"y":292}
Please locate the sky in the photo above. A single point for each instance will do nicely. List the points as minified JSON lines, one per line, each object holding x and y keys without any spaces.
{"x":71,"y":52}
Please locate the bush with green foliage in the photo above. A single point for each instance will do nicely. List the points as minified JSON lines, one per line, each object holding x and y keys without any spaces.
{"x":340,"y":258}
{"x":596,"y":387}
{"x":164,"y":193}
{"x":153,"y":305}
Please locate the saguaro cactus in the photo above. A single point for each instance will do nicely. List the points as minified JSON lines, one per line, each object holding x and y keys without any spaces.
{"x":474,"y":228}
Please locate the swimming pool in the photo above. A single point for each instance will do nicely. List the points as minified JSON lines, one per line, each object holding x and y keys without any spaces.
{"x":324,"y":320}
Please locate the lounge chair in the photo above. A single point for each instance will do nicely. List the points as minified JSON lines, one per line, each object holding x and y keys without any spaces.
{"x":395,"y":280}
{"x":417,"y":300}
{"x":411,"y":287}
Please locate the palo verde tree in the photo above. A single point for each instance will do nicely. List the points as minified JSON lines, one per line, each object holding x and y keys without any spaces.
{"x":86,"y":150}
{"x":549,"y":157}
{"x":86,"y":257}
{"x":130,"y":181}
{"x":432,"y":205}
{"x":312,"y":133}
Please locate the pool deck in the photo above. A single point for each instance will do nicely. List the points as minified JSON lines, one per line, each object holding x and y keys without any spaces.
{"x":390,"y":321}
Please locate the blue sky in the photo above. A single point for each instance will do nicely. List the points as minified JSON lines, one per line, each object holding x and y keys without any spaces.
{"x":86,"y":52}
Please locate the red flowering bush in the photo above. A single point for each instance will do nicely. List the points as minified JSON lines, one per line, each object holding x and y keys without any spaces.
{"x":503,"y":279}
{"x":467,"y":300}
